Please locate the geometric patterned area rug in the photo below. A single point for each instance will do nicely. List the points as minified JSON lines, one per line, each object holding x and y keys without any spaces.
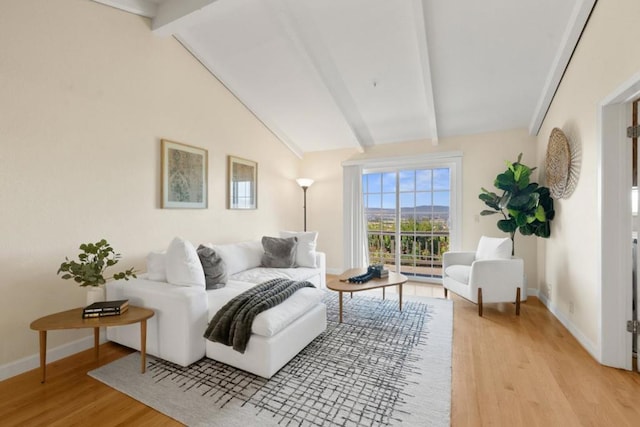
{"x":380,"y":367}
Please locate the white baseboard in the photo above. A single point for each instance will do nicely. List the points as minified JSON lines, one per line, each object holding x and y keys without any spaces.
{"x":573,"y":330}
{"x":32,"y":362}
{"x":335,"y":271}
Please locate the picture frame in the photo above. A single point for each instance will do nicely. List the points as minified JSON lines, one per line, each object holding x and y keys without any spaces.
{"x":242,"y":183}
{"x":184,"y":176}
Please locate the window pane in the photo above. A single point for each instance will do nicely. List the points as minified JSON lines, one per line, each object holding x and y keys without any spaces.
{"x":374,"y":183}
{"x":374,"y":201}
{"x":423,"y":199}
{"x":441,"y":179}
{"x":407,"y":200}
{"x":407,"y":180}
{"x":441,"y":198}
{"x":423,"y":180}
{"x":389,"y":182}
{"x":389,"y":201}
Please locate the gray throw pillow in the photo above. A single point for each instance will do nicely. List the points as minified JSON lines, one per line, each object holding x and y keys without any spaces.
{"x":279,"y":252}
{"x":215,"y":270}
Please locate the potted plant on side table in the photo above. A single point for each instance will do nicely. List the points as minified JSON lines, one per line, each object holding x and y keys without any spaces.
{"x":88,"y":271}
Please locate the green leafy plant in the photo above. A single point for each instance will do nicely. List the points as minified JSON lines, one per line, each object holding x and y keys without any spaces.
{"x":524,"y":205}
{"x":94,"y":259}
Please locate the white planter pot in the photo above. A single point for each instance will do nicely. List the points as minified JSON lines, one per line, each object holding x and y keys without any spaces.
{"x":95,"y":294}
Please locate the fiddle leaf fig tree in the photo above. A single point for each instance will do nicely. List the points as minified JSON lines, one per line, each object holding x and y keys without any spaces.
{"x":524,"y":205}
{"x":94,"y":259}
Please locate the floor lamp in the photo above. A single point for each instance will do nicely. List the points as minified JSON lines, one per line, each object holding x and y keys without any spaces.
{"x":305,"y":183}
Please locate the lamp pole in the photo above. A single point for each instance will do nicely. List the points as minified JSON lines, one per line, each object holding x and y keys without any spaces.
{"x":304,"y":190}
{"x":305,"y":183}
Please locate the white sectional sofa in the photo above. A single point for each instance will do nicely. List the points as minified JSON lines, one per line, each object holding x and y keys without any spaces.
{"x":183,"y":310}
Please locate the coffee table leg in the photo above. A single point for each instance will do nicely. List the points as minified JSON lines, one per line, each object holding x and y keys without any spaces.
{"x":340,"y":305}
{"x":400,"y":295}
{"x":143,"y":345}
{"x":43,"y":355}
{"x":383,"y":295}
{"x":96,"y":342}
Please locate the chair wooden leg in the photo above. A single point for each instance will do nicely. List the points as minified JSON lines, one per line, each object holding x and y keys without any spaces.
{"x":480,"y":302}
{"x":446,"y":293}
{"x":518,"y":302}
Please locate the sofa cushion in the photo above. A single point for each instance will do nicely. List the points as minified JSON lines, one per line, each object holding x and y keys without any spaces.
{"x":183,"y":264}
{"x":279,"y":252}
{"x":494,"y":248}
{"x":459,"y":273}
{"x":269,"y":322}
{"x":306,"y":249}
{"x":262,"y":274}
{"x":215,"y":270}
{"x":239,"y":256}
{"x":157,"y":266}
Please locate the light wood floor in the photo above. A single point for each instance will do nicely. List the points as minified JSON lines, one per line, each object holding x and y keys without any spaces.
{"x":507,"y":371}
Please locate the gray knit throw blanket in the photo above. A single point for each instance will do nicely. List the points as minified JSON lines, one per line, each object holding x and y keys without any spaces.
{"x":231,"y":325}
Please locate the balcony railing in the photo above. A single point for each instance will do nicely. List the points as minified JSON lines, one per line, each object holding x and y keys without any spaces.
{"x":420,"y":252}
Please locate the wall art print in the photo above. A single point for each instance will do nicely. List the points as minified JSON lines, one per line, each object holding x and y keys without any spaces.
{"x":184,"y":176}
{"x":242,"y":184}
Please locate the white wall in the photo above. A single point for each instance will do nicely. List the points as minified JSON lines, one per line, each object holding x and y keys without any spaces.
{"x":568,"y":267}
{"x":86,"y":94}
{"x":484,"y":157}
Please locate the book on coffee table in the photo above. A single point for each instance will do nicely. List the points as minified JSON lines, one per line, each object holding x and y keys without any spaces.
{"x":105,"y":308}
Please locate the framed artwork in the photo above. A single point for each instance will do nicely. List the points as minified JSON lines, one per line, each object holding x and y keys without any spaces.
{"x":184,"y":176}
{"x":242,"y":184}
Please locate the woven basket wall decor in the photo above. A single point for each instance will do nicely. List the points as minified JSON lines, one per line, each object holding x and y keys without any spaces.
{"x":558,"y":164}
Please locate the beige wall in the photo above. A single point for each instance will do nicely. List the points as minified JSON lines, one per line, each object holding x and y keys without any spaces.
{"x":568,"y":267}
{"x":484,"y":157}
{"x":86,"y":93}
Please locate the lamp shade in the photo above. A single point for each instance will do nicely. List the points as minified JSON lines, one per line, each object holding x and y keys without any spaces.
{"x":304,"y":182}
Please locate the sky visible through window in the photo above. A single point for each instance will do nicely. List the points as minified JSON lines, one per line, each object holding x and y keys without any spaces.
{"x":426,"y":187}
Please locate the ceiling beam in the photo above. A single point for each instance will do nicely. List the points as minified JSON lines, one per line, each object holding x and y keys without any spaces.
{"x":421,"y":36}
{"x":577,"y":22}
{"x":139,"y":7}
{"x":172,"y":16}
{"x":302,"y":32}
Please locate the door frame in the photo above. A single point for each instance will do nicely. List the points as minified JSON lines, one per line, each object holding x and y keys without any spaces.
{"x":614,"y":209}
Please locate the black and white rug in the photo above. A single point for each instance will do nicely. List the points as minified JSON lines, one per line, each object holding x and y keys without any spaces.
{"x":380,"y":367}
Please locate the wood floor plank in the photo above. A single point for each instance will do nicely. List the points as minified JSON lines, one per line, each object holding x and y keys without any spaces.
{"x":508,"y":370}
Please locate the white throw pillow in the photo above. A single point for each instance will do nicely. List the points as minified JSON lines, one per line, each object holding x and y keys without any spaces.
{"x":183,"y":264}
{"x":494,"y":248}
{"x":239,"y":256}
{"x":157,"y":266}
{"x":306,"y":249}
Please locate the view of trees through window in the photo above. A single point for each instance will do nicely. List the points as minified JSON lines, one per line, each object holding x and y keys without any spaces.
{"x":407,"y":214}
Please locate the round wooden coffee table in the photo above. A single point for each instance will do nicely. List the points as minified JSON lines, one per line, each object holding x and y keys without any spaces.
{"x":341,"y":284}
{"x":72,"y":319}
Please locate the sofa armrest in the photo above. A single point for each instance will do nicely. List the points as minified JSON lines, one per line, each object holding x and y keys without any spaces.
{"x":457,"y":258}
{"x":175,"y":332}
{"x":321,"y":263}
{"x":498,"y":278}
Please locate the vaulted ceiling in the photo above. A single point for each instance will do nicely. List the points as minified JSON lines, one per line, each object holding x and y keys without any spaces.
{"x":328,"y":74}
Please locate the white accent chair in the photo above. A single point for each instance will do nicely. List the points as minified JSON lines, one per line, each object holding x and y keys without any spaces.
{"x":489,"y":275}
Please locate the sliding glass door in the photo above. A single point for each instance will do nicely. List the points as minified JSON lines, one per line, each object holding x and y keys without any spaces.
{"x":408,"y":215}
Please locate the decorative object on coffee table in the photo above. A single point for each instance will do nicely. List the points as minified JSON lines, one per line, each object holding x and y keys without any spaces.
{"x":73,"y":319}
{"x":184,"y":176}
